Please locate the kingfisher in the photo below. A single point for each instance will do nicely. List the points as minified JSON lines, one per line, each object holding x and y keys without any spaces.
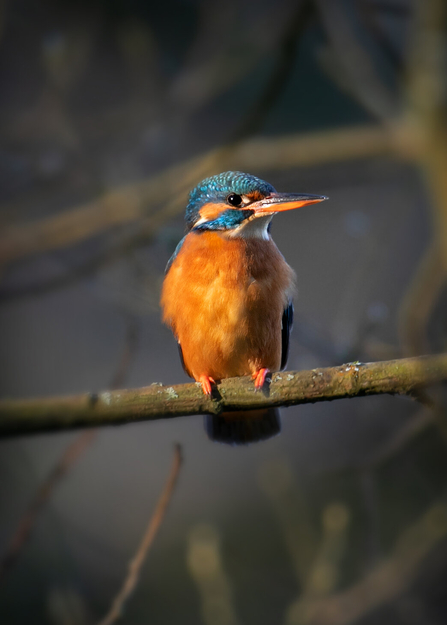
{"x":227,"y":294}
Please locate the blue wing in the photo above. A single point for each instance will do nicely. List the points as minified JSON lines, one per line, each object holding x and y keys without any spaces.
{"x":287,"y":323}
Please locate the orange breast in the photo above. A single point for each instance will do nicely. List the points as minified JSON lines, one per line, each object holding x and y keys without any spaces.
{"x":224,"y":299}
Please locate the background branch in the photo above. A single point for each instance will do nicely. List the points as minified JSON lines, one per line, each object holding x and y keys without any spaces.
{"x":405,"y":376}
{"x":138,"y":560}
{"x":141,"y":200}
{"x":65,"y":463}
{"x":384,"y":583}
{"x":427,"y":115}
{"x":356,"y":65}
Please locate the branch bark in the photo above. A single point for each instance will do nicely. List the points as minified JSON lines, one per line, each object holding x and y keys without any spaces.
{"x":403,"y":377}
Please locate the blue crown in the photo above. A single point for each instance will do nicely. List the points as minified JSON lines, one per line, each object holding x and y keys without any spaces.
{"x":217,"y":188}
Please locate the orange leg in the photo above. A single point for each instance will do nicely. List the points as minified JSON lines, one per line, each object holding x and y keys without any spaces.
{"x":259,"y":378}
{"x":206,"y":382}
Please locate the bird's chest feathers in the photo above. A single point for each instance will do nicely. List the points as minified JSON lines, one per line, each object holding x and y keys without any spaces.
{"x":230,"y":276}
{"x":224,"y":281}
{"x":224,"y":300}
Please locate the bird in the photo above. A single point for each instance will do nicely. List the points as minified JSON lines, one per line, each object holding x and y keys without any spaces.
{"x":227,"y":294}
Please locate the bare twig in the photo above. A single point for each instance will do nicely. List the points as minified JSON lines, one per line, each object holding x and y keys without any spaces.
{"x":389,"y":47}
{"x":385,"y":582}
{"x":395,"y":443}
{"x":360,"y":74}
{"x":85,"y":221}
{"x":70,"y":456}
{"x":255,"y":155}
{"x":419,"y":301}
{"x":222,"y":37}
{"x":140,"y":202}
{"x":427,"y":83}
{"x":427,"y":115}
{"x":130,"y":346}
{"x":403,"y":377}
{"x":64,"y":464}
{"x":137,"y":561}
{"x":119,"y":206}
{"x":292,"y":510}
{"x":285,"y":63}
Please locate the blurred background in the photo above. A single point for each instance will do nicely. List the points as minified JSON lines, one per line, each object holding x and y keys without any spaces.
{"x":110,"y":112}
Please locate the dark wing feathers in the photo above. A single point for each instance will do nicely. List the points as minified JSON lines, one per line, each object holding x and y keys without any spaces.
{"x":287,"y":323}
{"x":182,"y":360}
{"x":174,"y":256}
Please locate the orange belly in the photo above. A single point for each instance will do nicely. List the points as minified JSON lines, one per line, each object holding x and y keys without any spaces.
{"x":224,"y":299}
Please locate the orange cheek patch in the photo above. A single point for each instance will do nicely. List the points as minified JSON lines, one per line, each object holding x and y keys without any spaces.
{"x":209,"y":212}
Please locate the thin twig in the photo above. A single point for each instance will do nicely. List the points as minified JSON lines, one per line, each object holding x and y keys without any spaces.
{"x":83,"y":222}
{"x":389,"y":579}
{"x":360,"y":74}
{"x":285,"y":62}
{"x":419,"y":301}
{"x":387,"y":44}
{"x":154,"y":402}
{"x":63,"y":465}
{"x":256,"y":155}
{"x":141,"y":201}
{"x":137,"y":561}
{"x":128,"y":354}
{"x":24,"y":528}
{"x":395,"y":443}
{"x":426,"y":86}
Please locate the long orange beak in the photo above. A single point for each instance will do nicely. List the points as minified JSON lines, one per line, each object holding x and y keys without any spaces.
{"x":278,"y":202}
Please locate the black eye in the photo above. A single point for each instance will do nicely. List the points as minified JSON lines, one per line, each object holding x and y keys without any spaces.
{"x":235,"y":200}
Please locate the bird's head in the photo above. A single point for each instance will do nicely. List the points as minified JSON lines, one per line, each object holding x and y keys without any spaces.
{"x":239,"y":204}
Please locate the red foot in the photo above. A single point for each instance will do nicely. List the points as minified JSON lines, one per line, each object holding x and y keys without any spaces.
{"x":206,"y":382}
{"x":259,"y":378}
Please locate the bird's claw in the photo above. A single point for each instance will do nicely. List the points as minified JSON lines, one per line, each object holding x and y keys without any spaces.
{"x":206,"y":382}
{"x":259,"y":378}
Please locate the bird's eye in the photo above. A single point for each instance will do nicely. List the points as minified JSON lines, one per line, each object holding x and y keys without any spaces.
{"x":235,"y":200}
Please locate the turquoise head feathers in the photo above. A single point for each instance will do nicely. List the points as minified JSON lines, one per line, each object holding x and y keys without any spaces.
{"x":222,"y":189}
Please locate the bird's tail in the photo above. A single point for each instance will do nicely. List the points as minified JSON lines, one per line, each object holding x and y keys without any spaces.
{"x":241,"y":428}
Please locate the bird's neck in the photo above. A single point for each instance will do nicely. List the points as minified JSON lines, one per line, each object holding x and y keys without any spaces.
{"x":256,"y":228}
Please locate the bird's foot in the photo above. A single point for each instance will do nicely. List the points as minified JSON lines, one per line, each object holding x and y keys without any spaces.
{"x":206,"y":382}
{"x":259,"y":378}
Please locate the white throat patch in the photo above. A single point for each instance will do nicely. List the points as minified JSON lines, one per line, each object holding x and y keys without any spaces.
{"x":254,"y":228}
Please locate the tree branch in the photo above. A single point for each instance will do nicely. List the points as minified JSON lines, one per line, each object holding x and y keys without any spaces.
{"x":64,"y":464}
{"x":360,"y":74}
{"x":386,"y":581}
{"x":26,"y":524}
{"x":403,"y":377}
{"x":427,"y":114}
{"x":137,"y":561}
{"x":141,"y":200}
